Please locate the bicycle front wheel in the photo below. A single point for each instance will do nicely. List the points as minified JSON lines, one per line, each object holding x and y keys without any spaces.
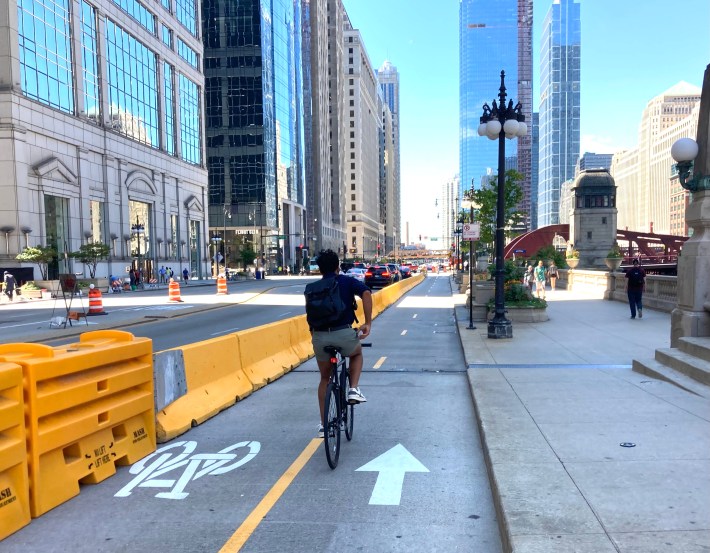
{"x":331,"y":426}
{"x":348,"y":408}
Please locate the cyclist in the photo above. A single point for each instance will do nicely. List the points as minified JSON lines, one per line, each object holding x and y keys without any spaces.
{"x":341,"y":334}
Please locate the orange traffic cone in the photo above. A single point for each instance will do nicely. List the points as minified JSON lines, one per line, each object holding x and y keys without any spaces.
{"x":173,"y":291}
{"x":96,"y":306}
{"x":222,"y":286}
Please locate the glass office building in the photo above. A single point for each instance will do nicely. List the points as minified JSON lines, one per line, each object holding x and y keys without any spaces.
{"x":493,"y":37}
{"x":254,"y":125}
{"x":559,"y":105}
{"x":111,"y":114}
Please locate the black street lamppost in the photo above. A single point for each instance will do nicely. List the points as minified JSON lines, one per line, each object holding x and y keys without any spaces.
{"x":500,"y":122}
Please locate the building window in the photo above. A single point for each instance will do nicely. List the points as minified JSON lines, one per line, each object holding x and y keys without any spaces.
{"x":352,"y":197}
{"x":138,"y":12}
{"x":187,"y":14}
{"x":210,"y":23}
{"x":92,"y":105}
{"x":187,"y":53}
{"x":166,"y":5}
{"x":173,"y":244}
{"x":213,"y":101}
{"x":169,"y":108}
{"x":96,"y":213}
{"x":589,"y":235}
{"x":190,"y":143}
{"x":215,"y":168}
{"x":167,"y":36}
{"x":45,"y":52}
{"x":603,"y":220}
{"x":132,"y":86}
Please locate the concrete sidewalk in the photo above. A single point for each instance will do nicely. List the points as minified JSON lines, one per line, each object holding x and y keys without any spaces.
{"x":584,"y":454}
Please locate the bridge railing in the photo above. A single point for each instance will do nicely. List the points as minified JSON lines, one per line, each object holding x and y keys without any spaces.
{"x":661,"y":290}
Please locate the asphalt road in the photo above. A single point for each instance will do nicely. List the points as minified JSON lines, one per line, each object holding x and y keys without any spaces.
{"x":255,"y":479}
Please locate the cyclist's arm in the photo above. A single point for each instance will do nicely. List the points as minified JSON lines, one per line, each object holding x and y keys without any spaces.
{"x":367,"y":310}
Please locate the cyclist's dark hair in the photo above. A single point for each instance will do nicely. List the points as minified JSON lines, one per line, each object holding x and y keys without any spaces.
{"x":328,"y":261}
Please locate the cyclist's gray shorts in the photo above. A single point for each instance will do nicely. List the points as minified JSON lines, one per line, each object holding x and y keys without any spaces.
{"x":346,"y":339}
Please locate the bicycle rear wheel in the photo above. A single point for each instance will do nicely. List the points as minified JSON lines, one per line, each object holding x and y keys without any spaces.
{"x":331,"y":426}
{"x":348,"y":408}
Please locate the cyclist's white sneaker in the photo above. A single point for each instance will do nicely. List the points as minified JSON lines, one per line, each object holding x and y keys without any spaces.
{"x":355,"y":396}
{"x":321,"y":431}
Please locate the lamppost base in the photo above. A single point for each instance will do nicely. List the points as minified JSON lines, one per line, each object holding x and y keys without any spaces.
{"x":500,"y":328}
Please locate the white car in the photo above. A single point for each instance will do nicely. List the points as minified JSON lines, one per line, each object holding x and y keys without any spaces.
{"x":357,"y":273}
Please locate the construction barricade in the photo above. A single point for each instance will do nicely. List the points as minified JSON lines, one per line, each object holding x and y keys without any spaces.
{"x":300,"y":338}
{"x":215,"y":381}
{"x":174,"y":291}
{"x":96,"y":305}
{"x":222,"y":286}
{"x":89,"y":407}
{"x":266,"y":353}
{"x":14,"y":486}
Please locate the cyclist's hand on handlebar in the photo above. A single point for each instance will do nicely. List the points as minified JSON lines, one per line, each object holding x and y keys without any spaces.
{"x":364,"y":331}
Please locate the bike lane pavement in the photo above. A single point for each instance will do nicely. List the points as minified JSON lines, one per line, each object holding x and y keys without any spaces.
{"x":197,"y":491}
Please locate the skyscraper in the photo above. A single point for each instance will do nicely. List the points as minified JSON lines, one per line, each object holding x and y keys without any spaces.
{"x":493,"y":37}
{"x":254,"y":119}
{"x":102,"y":135}
{"x":388,"y":77}
{"x":559,"y":105}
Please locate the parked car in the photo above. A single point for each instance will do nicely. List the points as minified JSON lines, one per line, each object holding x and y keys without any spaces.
{"x":406,"y":272}
{"x":314,"y":269}
{"x":394,"y":269}
{"x":357,"y":273}
{"x":378,"y":276}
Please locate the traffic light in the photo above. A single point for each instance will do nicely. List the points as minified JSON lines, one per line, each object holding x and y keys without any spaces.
{"x":378,"y":249}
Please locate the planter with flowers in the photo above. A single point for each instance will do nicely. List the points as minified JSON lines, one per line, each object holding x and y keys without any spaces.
{"x":614,"y":258}
{"x":572,"y":258}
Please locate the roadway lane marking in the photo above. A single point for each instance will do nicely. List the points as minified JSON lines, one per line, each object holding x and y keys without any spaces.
{"x":379,"y":363}
{"x":391,"y":467}
{"x":414,"y":316}
{"x":403,"y":333}
{"x":247,"y":528}
{"x":224,"y":331}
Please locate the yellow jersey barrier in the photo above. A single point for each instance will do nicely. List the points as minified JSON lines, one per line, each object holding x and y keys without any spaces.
{"x":215,"y":381}
{"x":89,"y":407}
{"x":14,"y":485}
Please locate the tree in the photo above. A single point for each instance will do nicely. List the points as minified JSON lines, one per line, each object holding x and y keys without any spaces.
{"x":486,"y":198}
{"x":91,"y":254}
{"x":41,"y":255}
{"x":247,"y":255}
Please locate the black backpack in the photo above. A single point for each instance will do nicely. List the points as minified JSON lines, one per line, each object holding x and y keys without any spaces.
{"x":324,"y":306}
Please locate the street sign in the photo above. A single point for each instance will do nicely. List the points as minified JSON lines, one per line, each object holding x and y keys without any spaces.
{"x":472,"y":231}
{"x":519,"y":251}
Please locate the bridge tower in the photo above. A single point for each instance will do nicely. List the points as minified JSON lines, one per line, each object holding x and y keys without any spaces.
{"x":593,"y":222}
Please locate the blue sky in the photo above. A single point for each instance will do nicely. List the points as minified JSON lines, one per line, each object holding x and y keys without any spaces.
{"x":632,"y":50}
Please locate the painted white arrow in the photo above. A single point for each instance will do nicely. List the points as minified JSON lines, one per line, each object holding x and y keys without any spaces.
{"x":391,"y":465}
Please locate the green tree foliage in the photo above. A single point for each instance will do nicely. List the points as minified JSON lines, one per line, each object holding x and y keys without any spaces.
{"x":247,"y":255}
{"x":546,"y":253}
{"x":91,"y":254}
{"x":41,"y":255}
{"x":486,"y":198}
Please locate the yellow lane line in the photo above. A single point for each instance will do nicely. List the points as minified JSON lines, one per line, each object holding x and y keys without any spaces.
{"x":247,"y":528}
{"x":379,"y":363}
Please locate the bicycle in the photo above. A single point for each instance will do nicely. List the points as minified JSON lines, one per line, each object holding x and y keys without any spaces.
{"x":339,"y":414}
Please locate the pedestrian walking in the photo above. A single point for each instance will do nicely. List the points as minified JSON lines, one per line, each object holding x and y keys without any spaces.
{"x":540,"y":278}
{"x":529,"y":278}
{"x":552,"y":274}
{"x":635,"y":285}
{"x":161,"y":274}
{"x":8,"y":285}
{"x":185,"y":275}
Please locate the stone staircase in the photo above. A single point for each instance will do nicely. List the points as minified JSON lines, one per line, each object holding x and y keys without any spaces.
{"x":687,"y":366}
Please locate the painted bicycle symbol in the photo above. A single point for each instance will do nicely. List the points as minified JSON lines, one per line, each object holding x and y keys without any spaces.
{"x":150,"y":470}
